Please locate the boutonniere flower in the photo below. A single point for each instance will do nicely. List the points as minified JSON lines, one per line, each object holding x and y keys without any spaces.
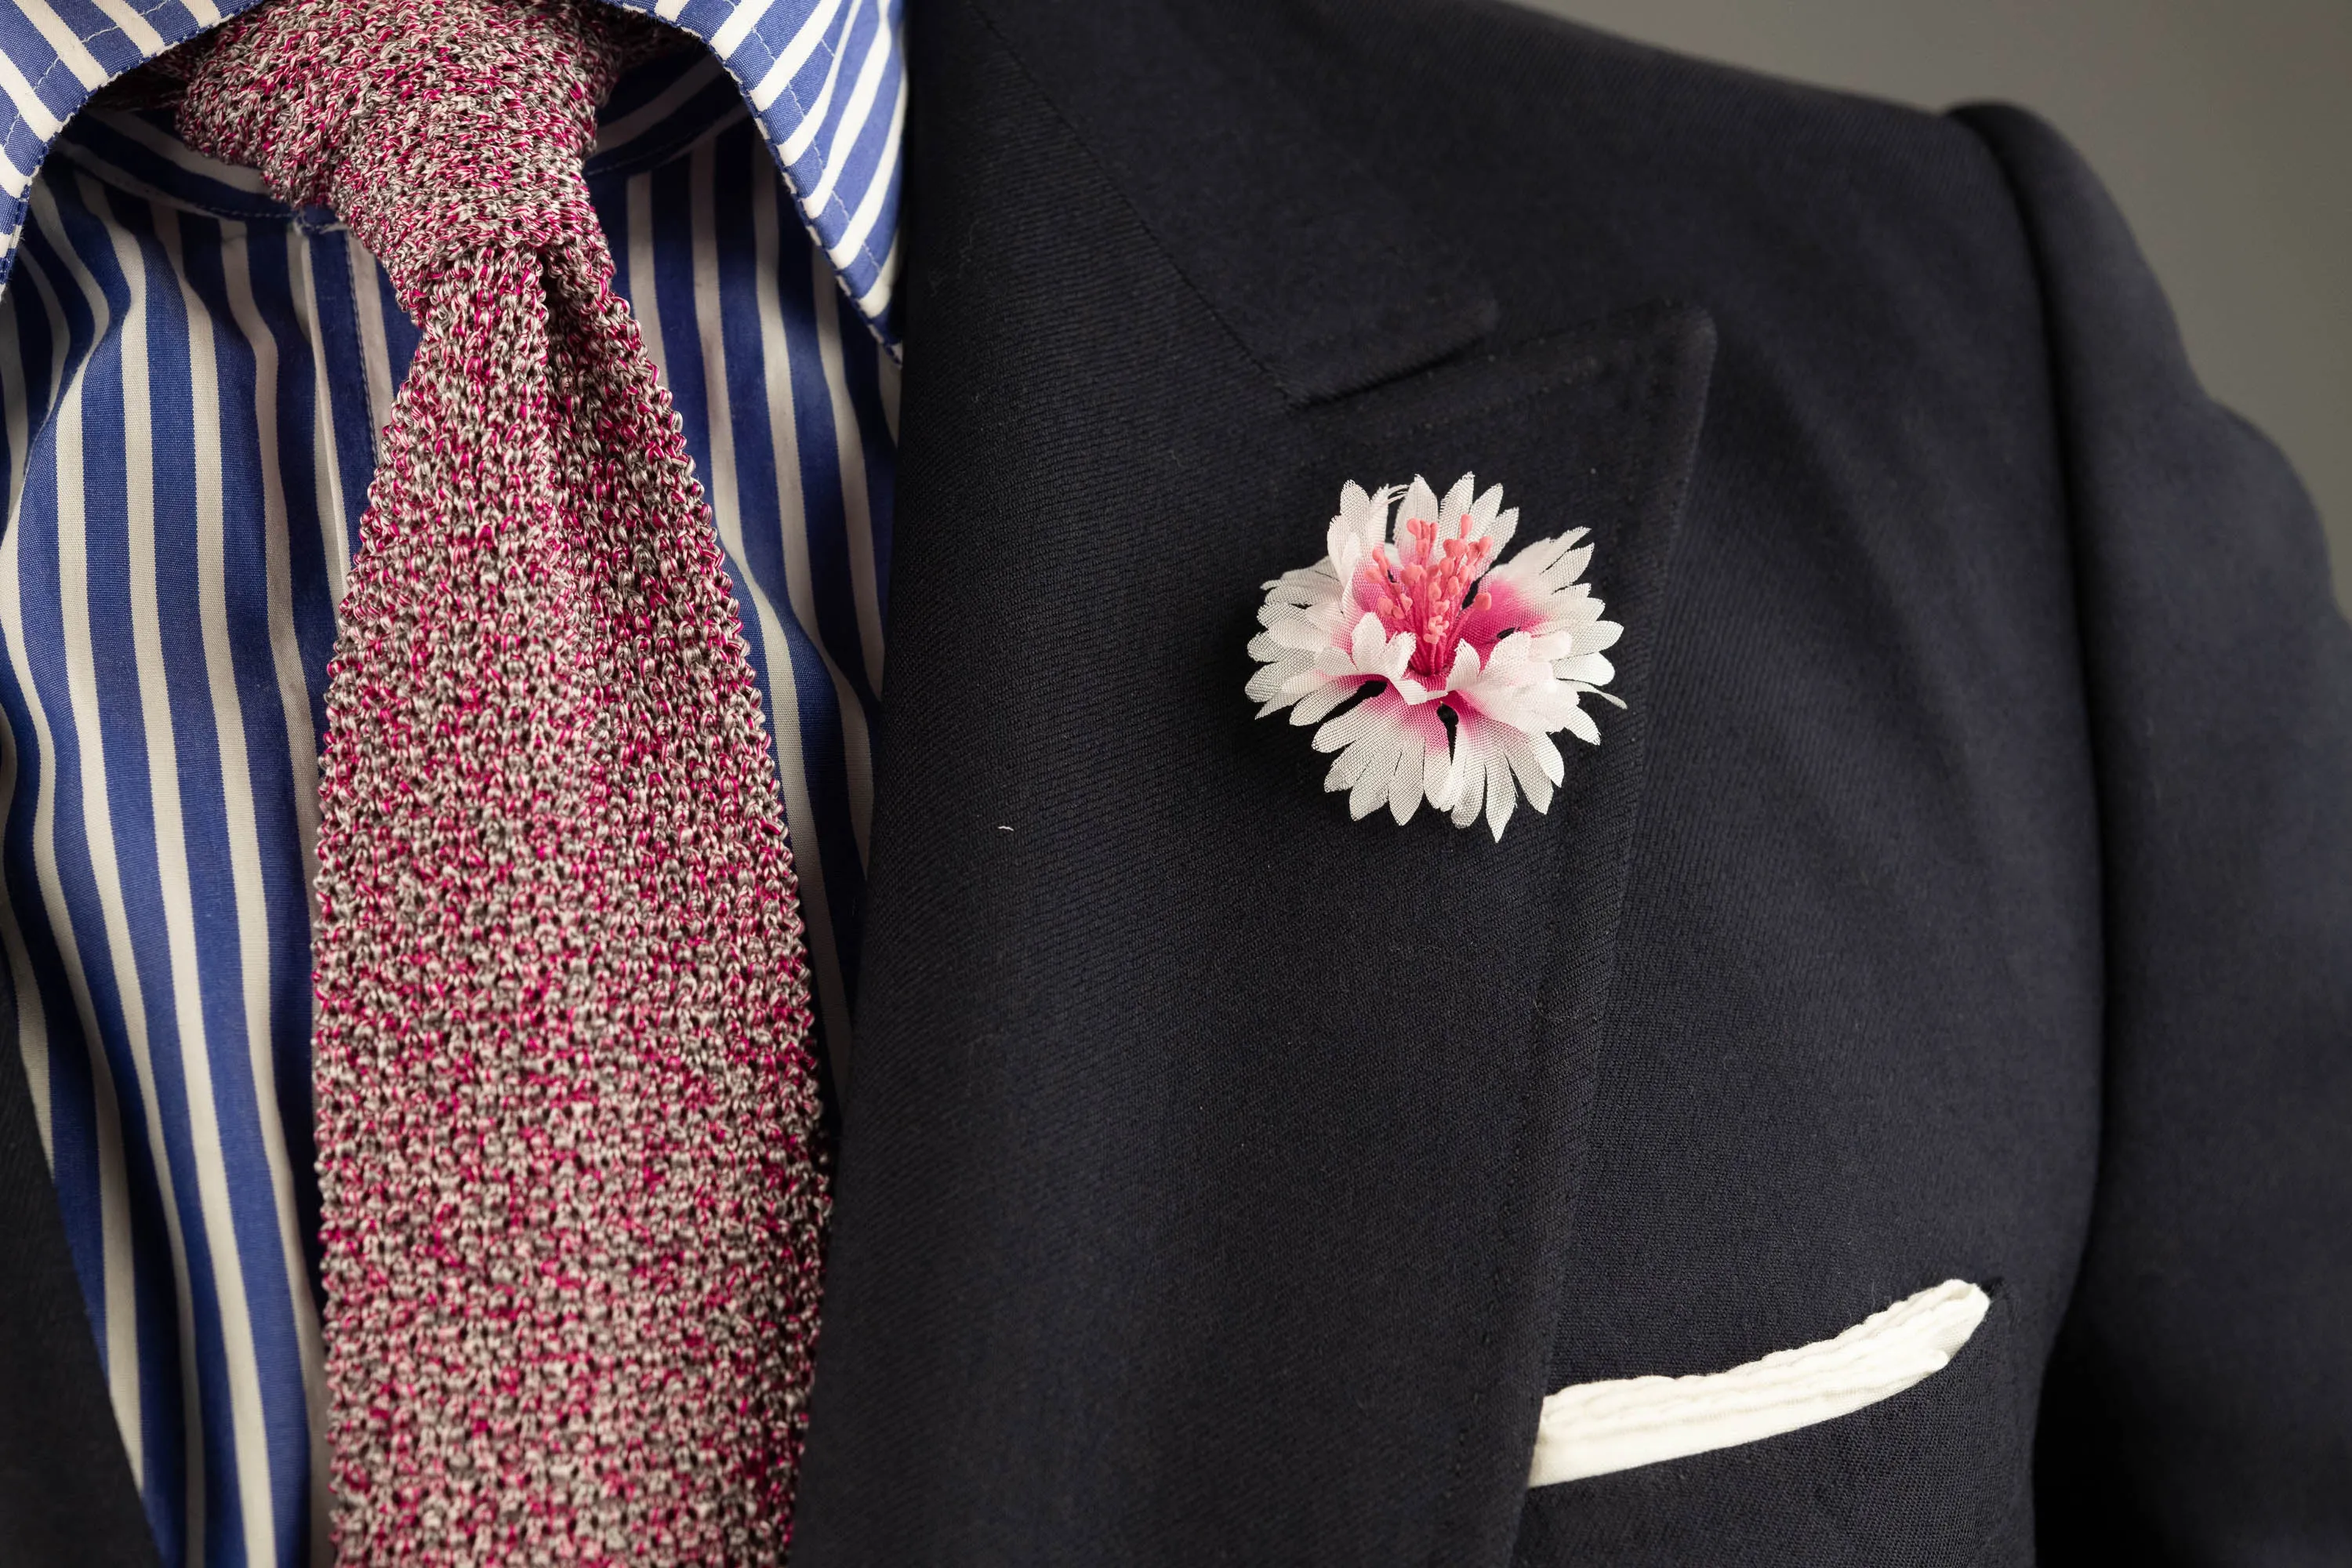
{"x":1434,"y":673}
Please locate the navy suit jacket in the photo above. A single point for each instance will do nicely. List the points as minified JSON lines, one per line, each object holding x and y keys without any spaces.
{"x":1966,"y":889}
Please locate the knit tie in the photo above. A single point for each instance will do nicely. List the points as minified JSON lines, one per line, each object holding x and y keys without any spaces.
{"x":573,"y":1203}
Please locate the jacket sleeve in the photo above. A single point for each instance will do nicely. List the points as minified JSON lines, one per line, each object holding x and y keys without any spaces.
{"x":2198,"y":1404}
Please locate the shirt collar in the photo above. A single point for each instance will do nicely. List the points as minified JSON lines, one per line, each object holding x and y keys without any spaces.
{"x":824,"y":79}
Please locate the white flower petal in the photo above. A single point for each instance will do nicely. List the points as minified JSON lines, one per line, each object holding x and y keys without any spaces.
{"x":1399,"y":655}
{"x":1442,"y":774}
{"x":1505,"y":524}
{"x":1527,"y":710}
{"x":1527,"y":770}
{"x":1361,"y":522}
{"x":1420,"y":504}
{"x":1512,"y":659}
{"x":1591,"y":669}
{"x":1532,"y":562}
{"x":1348,"y":522}
{"x":1318,"y":579}
{"x":1485,"y":510}
{"x":1347,"y":768}
{"x":1579,"y":724}
{"x":1362,"y":519}
{"x":1294,"y":630}
{"x":1381,"y":753}
{"x":1269,"y":680}
{"x":1404,"y":784}
{"x":1471,"y":766}
{"x":1573,"y":606}
{"x":1344,"y":569}
{"x":1500,"y":797}
{"x":1548,"y":757}
{"x":1347,"y":729}
{"x":1569,"y":567}
{"x":1320,"y":702}
{"x":1549,"y":647}
{"x":1369,"y":646}
{"x":1455,"y":506}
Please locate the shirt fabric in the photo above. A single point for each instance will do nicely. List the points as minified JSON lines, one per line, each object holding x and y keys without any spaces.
{"x":193,"y":377}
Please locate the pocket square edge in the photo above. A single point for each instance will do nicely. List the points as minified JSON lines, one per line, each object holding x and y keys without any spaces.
{"x":1595,"y":1428}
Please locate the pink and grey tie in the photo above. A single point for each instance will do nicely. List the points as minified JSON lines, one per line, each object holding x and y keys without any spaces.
{"x":567,"y":1125}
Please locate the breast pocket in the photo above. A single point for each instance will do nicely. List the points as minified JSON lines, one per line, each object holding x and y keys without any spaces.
{"x":1927,"y":1476}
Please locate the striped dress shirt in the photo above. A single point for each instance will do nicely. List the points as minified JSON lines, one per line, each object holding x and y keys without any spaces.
{"x":192,"y":378}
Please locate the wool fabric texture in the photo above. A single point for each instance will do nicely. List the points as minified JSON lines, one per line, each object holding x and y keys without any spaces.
{"x":573,"y":1194}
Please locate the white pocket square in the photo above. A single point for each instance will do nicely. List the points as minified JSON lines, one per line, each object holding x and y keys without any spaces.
{"x":1592,"y":1428}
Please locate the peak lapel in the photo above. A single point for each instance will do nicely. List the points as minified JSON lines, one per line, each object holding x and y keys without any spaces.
{"x":1207,"y":1155}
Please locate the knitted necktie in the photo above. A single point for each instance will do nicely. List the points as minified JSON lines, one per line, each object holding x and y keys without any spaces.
{"x":573,"y":1203}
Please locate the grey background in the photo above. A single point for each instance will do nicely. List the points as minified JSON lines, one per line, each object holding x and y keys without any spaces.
{"x":2224,"y":126}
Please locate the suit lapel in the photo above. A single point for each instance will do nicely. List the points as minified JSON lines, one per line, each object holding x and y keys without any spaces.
{"x":1207,"y":1155}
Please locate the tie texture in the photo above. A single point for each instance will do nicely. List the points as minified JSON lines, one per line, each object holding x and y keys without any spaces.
{"x":573,"y":1198}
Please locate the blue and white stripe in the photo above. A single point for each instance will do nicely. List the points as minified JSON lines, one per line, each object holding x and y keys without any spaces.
{"x":191,"y":378}
{"x":826,"y":80}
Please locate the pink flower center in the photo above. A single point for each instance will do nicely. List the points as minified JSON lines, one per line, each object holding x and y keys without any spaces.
{"x":1423,"y":587}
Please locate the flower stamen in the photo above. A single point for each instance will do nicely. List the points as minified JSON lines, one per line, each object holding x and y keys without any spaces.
{"x":1425,"y":589}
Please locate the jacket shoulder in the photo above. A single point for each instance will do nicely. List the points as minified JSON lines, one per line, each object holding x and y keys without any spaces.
{"x":1584,"y":166}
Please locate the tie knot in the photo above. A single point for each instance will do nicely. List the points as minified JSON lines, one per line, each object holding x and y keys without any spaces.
{"x":436,"y":129}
